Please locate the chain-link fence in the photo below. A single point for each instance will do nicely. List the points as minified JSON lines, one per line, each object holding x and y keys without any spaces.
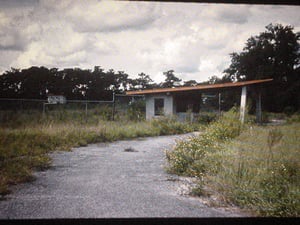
{"x":119,"y":107}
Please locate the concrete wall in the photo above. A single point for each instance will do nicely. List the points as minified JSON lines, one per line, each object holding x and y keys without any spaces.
{"x":169,"y":108}
{"x":186,"y":117}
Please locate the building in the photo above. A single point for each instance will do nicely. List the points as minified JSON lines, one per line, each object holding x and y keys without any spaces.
{"x":181,"y":100}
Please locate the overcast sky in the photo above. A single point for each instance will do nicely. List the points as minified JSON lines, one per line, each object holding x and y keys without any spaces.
{"x":151,"y":37}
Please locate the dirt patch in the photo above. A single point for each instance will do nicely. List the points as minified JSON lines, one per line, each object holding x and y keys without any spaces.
{"x":186,"y":185}
{"x":212,"y":200}
{"x":130,"y":149}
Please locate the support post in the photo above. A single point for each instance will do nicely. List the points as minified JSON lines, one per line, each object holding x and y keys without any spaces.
{"x":243,"y":104}
{"x":258,"y":108}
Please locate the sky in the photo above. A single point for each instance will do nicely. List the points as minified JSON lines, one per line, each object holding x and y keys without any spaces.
{"x":193,"y":39}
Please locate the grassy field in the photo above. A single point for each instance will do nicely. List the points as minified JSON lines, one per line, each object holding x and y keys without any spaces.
{"x":261,"y":171}
{"x":254,"y":167}
{"x":27,"y":137}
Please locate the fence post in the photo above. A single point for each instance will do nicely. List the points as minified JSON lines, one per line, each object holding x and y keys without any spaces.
{"x":114,"y":105}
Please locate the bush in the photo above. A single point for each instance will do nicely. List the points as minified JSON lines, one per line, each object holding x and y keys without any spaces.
{"x":289,"y":110}
{"x":105,"y":112}
{"x":207,"y":117}
{"x":195,"y":156}
{"x":136,"y":110}
{"x":170,"y":125}
{"x":295,"y":118}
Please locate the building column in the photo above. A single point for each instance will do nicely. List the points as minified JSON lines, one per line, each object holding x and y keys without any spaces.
{"x":243,"y":104}
{"x":149,"y":107}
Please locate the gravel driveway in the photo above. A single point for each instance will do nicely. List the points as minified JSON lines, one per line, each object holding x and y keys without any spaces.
{"x":120,"y":179}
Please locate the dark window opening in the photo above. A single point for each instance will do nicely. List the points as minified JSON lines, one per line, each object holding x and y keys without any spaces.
{"x":158,"y":106}
{"x":188,"y":102}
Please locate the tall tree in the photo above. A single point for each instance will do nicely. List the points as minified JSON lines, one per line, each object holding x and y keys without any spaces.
{"x":275,"y":54}
{"x":171,"y":80}
{"x":143,"y":81}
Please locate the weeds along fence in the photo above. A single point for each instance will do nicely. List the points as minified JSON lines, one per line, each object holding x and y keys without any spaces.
{"x":118,"y":107}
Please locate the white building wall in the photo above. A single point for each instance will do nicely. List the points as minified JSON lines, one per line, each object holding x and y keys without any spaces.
{"x":169,"y":107}
{"x":149,"y":107}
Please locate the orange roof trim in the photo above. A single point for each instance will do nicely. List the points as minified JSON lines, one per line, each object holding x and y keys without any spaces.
{"x":198,"y":87}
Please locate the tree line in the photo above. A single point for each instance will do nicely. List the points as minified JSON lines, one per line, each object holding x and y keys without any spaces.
{"x":75,"y":83}
{"x":273,"y":53}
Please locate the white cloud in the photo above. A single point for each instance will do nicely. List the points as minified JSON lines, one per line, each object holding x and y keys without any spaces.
{"x":52,"y":46}
{"x":193,"y":39}
{"x":4,"y":20}
{"x":13,"y":26}
{"x":110,"y":16}
{"x":33,"y":56}
{"x":228,"y":14}
{"x":56,"y":5}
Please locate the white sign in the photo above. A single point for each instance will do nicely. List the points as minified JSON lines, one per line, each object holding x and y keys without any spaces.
{"x":57,"y":99}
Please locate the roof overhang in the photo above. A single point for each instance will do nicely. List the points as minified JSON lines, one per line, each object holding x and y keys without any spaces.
{"x":197,"y":87}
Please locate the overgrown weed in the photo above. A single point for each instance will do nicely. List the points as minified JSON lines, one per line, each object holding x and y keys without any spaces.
{"x":195,"y":156}
{"x":26,"y":138}
{"x":269,"y":180}
{"x":253,"y":167}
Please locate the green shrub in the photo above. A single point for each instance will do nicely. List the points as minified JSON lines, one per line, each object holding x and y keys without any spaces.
{"x":136,"y":111}
{"x":258,"y":169}
{"x":289,"y":110}
{"x":105,"y":112}
{"x":197,"y":155}
{"x":206,"y":117}
{"x":170,"y":125}
{"x":295,"y":118}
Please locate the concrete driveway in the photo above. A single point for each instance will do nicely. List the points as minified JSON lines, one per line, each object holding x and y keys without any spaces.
{"x":104,"y":181}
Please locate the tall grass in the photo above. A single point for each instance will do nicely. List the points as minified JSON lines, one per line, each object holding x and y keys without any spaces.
{"x":197,"y":155}
{"x":27,"y":137}
{"x":254,"y":167}
{"x":261,"y":171}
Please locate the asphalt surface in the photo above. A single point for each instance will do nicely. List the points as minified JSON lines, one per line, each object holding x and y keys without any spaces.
{"x":116,"y":180}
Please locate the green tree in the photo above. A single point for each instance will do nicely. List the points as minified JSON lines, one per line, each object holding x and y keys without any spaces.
{"x":273,"y":53}
{"x":171,"y":80}
{"x":143,"y":81}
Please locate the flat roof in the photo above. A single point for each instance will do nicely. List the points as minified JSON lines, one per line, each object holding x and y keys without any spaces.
{"x":197,"y":87}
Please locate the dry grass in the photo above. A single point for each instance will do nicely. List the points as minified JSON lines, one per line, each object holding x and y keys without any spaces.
{"x":26,"y":138}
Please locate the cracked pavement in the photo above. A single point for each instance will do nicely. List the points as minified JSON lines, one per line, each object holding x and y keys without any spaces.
{"x":122,"y":179}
